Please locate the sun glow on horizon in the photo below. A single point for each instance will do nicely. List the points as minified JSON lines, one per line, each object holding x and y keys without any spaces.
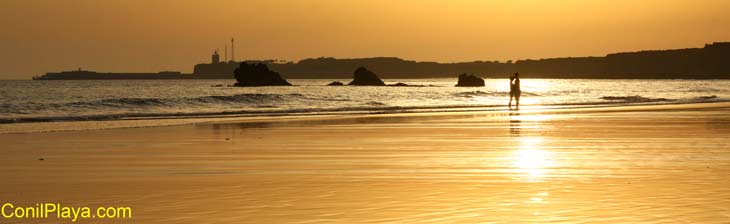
{"x":159,"y":35}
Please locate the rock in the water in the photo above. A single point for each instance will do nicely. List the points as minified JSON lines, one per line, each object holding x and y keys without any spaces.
{"x":469,"y":80}
{"x":258,"y":75}
{"x":364,"y":77}
{"x":335,"y":84}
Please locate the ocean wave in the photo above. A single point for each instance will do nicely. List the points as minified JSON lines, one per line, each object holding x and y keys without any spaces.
{"x":369,"y":108}
{"x":703,"y":90}
{"x":123,"y":102}
{"x":477,"y":93}
{"x":375,"y":103}
{"x":363,"y":109}
{"x":634,"y":99}
{"x":706,"y":97}
{"x":249,"y":98}
{"x":262,"y":104}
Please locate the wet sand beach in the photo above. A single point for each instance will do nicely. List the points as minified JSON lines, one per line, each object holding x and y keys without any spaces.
{"x":632,"y":164}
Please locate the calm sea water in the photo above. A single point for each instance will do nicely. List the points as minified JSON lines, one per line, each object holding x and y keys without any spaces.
{"x":40,"y":101}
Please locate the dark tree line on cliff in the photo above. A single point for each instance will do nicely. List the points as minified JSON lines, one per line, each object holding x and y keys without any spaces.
{"x":712,"y":61}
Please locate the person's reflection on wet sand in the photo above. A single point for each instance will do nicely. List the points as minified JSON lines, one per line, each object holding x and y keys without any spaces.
{"x":514,"y":123}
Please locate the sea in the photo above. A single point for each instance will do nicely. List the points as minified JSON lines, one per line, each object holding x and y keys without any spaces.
{"x":24,"y":101}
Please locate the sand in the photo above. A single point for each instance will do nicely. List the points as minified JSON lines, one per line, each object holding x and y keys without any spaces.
{"x":647,"y":164}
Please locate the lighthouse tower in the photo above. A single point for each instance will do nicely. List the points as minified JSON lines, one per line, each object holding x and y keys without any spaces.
{"x":215,"y":58}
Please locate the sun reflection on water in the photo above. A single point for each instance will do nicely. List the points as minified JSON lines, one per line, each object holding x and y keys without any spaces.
{"x":531,"y":160}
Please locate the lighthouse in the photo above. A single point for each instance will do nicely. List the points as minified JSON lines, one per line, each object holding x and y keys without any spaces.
{"x":215,"y":58}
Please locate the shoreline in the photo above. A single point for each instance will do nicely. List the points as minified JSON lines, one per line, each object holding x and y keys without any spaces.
{"x":145,"y":122}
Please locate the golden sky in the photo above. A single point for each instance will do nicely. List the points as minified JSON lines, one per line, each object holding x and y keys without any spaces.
{"x":152,"y":35}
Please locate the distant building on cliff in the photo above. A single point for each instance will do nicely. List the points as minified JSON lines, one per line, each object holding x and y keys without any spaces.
{"x":218,"y":68}
{"x":215,"y":58}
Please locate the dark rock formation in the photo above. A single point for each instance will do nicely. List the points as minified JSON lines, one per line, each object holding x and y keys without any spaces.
{"x":335,"y":83}
{"x":364,"y":77}
{"x":469,"y":80}
{"x":258,"y":75}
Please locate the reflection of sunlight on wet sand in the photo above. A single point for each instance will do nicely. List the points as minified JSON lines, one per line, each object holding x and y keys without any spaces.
{"x":524,"y":101}
{"x":540,"y":197}
{"x":529,"y":101}
{"x":531,"y":161}
{"x":533,"y":117}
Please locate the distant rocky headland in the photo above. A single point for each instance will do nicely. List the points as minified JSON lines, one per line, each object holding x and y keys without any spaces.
{"x":710,"y":62}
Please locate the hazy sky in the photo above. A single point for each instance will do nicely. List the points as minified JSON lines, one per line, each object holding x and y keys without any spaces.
{"x":152,"y":35}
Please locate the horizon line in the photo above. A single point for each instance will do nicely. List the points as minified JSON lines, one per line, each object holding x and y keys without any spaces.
{"x":404,"y":59}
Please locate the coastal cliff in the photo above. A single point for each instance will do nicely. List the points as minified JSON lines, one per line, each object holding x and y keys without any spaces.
{"x":709,"y":62}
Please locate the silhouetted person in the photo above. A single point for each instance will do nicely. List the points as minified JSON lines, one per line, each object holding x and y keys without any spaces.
{"x":514,"y":90}
{"x":511,"y":90}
